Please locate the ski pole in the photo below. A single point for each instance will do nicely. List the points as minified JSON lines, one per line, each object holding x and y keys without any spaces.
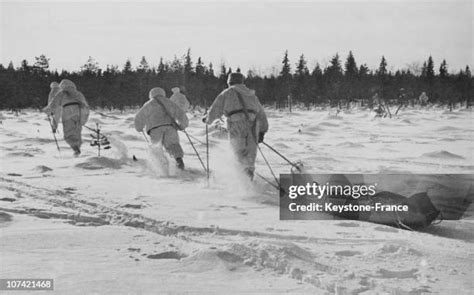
{"x":284,"y":158}
{"x":196,"y":139}
{"x":207,"y":146}
{"x":54,"y":134}
{"x":91,"y":129}
{"x":267,"y":181}
{"x":146,"y":139}
{"x":268,"y":164}
{"x":194,"y":148}
{"x":102,"y":114}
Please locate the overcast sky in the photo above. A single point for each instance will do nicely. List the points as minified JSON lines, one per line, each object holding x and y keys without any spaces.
{"x":247,"y":34}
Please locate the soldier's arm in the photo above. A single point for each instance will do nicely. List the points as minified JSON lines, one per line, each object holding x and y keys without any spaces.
{"x":179,"y":115}
{"x":83,"y":100}
{"x":262,"y":118}
{"x":216,"y":110}
{"x":140,"y":120}
{"x":54,"y":104}
{"x":186,"y":103}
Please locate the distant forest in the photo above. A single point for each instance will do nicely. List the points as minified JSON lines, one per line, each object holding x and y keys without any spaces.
{"x":337,"y":84}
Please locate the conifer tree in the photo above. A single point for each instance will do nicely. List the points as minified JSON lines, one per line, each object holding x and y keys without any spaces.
{"x":316,"y":85}
{"x":285,"y":70}
{"x":424,"y":70}
{"x":41,"y":64}
{"x":90,"y":67}
{"x":430,"y":69}
{"x":285,"y":80}
{"x":210,"y":70}
{"x":442,"y":83}
{"x":188,"y":64}
{"x":127,"y":68}
{"x":24,"y":66}
{"x":143,"y":66}
{"x":364,"y":86}
{"x":443,"y":70}
{"x":351,"y":83}
{"x":301,"y":67}
{"x":223,"y":73}
{"x":300,"y":92}
{"x":382,"y":71}
{"x":467,"y":72}
{"x":350,"y":66}
{"x":363,"y":70}
{"x":10,"y":66}
{"x":383,"y":79}
{"x":199,"y":67}
{"x":469,"y":87}
{"x":317,"y":72}
{"x":176,"y":66}
{"x":333,"y":78}
{"x":334,"y":70}
{"x":161,"y":66}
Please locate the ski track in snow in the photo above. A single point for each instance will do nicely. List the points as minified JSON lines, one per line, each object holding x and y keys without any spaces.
{"x":235,"y":229}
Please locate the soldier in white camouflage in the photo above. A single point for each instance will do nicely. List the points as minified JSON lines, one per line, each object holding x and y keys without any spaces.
{"x":246,"y":120}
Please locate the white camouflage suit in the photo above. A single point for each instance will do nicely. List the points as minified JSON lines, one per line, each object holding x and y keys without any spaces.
{"x":71,"y":106}
{"x":158,"y":123}
{"x":52,"y":93}
{"x":423,"y":98}
{"x":243,"y":132}
{"x":180,"y":99}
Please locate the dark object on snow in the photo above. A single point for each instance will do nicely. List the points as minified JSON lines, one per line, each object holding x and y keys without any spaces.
{"x":421,"y":211}
{"x":6,"y":199}
{"x":420,"y":214}
{"x":14,"y":174}
{"x":166,"y":255}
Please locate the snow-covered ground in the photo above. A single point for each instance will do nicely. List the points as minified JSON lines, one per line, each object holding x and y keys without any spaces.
{"x":113,"y":225}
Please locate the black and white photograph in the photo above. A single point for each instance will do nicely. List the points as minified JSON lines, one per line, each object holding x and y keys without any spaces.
{"x":236,"y":147}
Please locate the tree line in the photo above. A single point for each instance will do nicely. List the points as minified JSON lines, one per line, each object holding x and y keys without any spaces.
{"x":337,"y":84}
